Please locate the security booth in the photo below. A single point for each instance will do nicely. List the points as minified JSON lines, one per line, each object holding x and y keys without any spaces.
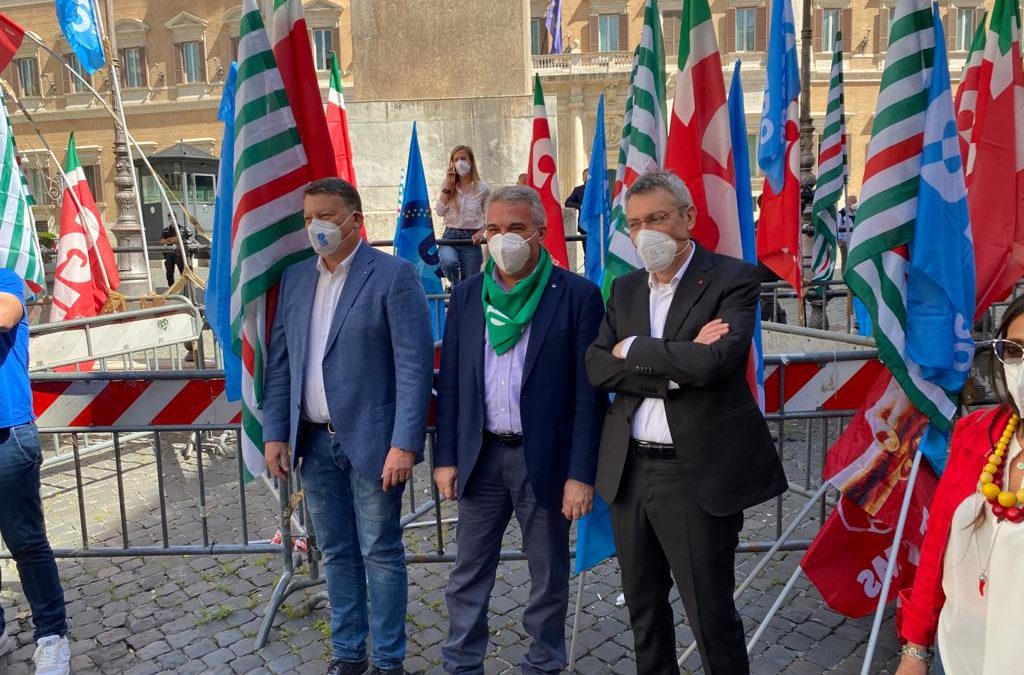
{"x":190,"y":176}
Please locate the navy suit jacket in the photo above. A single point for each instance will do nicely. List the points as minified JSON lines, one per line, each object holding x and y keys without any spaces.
{"x":378,"y":366}
{"x":561,"y":413}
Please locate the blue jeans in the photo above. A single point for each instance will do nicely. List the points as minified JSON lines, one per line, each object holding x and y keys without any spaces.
{"x":358,"y":531}
{"x":458,"y":263}
{"x":24,"y":530}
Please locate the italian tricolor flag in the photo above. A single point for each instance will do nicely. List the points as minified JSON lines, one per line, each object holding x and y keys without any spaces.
{"x":337,"y":125}
{"x":543,"y":177}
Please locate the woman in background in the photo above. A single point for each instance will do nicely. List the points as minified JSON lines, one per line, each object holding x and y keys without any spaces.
{"x":461,"y":204}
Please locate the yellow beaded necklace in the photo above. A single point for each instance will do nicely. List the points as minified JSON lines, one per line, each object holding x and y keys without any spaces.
{"x":1006,"y":505}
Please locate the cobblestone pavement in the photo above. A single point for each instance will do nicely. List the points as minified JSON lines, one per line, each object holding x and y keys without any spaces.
{"x":199,"y":614}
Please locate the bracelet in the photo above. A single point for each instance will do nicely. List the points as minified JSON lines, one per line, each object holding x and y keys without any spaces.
{"x":918,"y":655}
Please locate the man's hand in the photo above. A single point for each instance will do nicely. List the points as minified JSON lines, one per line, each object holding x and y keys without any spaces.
{"x":712,"y":332}
{"x":397,"y":467}
{"x":577,"y":499}
{"x":619,"y":351}
{"x":279,"y":460}
{"x":445,"y":477}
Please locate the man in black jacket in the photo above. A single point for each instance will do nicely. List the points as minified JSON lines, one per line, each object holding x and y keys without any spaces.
{"x":685,"y":448}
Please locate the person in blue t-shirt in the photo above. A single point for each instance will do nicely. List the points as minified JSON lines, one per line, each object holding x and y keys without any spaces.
{"x":21,"y":507}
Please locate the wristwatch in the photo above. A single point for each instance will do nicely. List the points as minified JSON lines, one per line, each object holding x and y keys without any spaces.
{"x":916,"y":654}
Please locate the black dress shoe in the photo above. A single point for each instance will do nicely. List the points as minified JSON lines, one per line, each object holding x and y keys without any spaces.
{"x":388,"y":671}
{"x":339,"y":667}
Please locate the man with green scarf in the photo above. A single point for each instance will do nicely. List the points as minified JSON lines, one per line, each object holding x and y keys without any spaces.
{"x":518,"y":428}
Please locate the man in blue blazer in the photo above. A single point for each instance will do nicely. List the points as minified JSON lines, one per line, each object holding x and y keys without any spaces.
{"x":348,"y":381}
{"x":518,"y":428}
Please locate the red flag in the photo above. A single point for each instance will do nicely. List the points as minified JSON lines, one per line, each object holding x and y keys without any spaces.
{"x":337,"y":125}
{"x":11,"y":35}
{"x":966,"y":102}
{"x":778,"y":225}
{"x":995,"y":195}
{"x":294,"y":56}
{"x":543,"y":177}
{"x":86,"y":270}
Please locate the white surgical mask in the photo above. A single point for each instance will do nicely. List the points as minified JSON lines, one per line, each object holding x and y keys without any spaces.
{"x":656,"y":249}
{"x":1013,"y":373}
{"x":510,"y":251}
{"x":325,"y":235}
{"x":463,"y":167}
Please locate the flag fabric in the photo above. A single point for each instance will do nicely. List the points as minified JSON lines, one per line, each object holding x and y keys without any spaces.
{"x":86,"y":270}
{"x":778,"y":232}
{"x":543,"y":177}
{"x":553,"y":22}
{"x":268,"y":232}
{"x":11,"y":36}
{"x":832,"y":175}
{"x":294,"y":56}
{"x":218,"y":283}
{"x":337,"y":125}
{"x":700,"y":150}
{"x":414,"y":233}
{"x":644,"y":139}
{"x":595,"y":210}
{"x":78,"y":23}
{"x":940,"y":278}
{"x":996,"y":163}
{"x":745,"y":214}
{"x":19,"y":251}
{"x":966,"y":101}
{"x":595,"y":540}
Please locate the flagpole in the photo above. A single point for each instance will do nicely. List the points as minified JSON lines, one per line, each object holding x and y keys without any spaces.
{"x":576,"y":621}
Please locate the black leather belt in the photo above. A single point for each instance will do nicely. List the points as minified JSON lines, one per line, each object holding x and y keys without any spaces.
{"x":651,"y":450}
{"x":318,"y":426}
{"x":504,"y":439}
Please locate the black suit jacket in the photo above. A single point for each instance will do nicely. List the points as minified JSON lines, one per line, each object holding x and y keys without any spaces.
{"x":725,"y":454}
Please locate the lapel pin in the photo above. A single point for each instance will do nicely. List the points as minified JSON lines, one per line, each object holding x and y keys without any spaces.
{"x":700,"y":281}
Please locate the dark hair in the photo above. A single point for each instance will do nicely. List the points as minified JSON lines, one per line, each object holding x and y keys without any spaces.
{"x":1014,"y":311}
{"x":338,"y":187}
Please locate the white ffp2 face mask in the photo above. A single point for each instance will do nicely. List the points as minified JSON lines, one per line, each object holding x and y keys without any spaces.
{"x":656,"y":249}
{"x":510,"y":251}
{"x":325,"y":235}
{"x":463,"y":167}
{"x":1012,"y":374}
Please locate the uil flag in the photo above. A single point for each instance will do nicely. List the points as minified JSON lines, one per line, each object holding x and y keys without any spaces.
{"x":11,"y":36}
{"x":778,"y":232}
{"x":86,"y":270}
{"x":78,"y":23}
{"x":595,"y":210}
{"x":543,"y":177}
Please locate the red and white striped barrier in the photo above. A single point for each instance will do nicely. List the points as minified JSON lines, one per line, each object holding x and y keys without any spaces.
{"x":808,"y":387}
{"x":132,"y":403}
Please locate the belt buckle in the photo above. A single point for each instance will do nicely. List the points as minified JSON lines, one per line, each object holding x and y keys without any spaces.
{"x":330,"y":428}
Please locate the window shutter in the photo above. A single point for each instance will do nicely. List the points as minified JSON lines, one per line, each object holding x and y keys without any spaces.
{"x":67,"y":77}
{"x":730,"y":30}
{"x":203,"y":76}
{"x":179,"y":64}
{"x":951,"y":28}
{"x":590,"y":34}
{"x":624,"y":32}
{"x":846,"y":24}
{"x":818,"y":29}
{"x":760,"y":29}
{"x":545,"y":48}
{"x":882,"y":34}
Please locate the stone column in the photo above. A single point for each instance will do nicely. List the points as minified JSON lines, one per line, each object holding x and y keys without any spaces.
{"x":579,"y":142}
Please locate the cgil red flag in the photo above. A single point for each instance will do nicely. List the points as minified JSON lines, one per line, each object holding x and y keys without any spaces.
{"x":543,"y":177}
{"x":778,"y":225}
{"x":11,"y":36}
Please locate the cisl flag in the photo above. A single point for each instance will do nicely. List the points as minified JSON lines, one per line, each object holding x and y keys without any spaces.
{"x":543,"y":177}
{"x":86,"y":270}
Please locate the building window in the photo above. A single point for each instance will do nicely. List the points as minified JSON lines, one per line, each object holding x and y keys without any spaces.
{"x":133,"y":68}
{"x":28,"y":76}
{"x":191,"y":64}
{"x":608,"y":32}
{"x":965,"y":27}
{"x":537,"y":37}
{"x":94,"y":178}
{"x":235,"y":41}
{"x":671,"y":21}
{"x":746,"y":31}
{"x":323,"y":47}
{"x":37,"y":180}
{"x":830,"y":22}
{"x":74,"y":85}
{"x":753,"y":142}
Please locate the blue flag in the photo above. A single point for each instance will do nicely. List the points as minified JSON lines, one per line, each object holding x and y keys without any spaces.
{"x":78,"y":23}
{"x":595,"y":210}
{"x":940,"y":279}
{"x":745,"y":208}
{"x":218,"y":285}
{"x":414,"y":235}
{"x":553,"y":22}
{"x":781,"y":88}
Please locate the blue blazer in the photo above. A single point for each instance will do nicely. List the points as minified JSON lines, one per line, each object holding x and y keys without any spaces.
{"x":561,"y":412}
{"x":378,"y":365}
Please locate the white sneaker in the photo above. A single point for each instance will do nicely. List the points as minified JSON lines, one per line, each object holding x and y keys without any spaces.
{"x":53,"y":656}
{"x":7,"y":643}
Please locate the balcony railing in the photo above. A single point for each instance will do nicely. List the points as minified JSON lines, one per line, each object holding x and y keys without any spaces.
{"x":585,"y":63}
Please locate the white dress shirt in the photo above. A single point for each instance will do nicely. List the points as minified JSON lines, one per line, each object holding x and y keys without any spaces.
{"x":325,"y":302}
{"x":503,"y":385}
{"x":650,"y":422}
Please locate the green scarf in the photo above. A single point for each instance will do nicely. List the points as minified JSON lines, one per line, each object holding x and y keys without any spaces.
{"x":507,"y":313}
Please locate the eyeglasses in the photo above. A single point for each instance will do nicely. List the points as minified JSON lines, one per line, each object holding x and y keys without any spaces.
{"x":1009,"y":352}
{"x":655,"y":219}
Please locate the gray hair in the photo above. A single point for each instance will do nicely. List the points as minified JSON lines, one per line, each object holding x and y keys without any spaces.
{"x":514,"y":194}
{"x":664,"y":180}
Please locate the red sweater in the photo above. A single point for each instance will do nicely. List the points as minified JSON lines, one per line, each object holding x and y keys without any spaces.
{"x":973,"y":440}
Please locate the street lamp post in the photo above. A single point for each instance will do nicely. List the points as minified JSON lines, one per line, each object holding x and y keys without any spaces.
{"x":818,"y":317}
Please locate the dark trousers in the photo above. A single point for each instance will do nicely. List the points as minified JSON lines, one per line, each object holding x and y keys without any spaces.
{"x":498,"y":487}
{"x":175,"y":262}
{"x":660,"y":533}
{"x":24,"y":530}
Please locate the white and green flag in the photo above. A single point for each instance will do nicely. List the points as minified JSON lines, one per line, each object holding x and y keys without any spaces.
{"x":832,"y":174}
{"x":19,"y":248}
